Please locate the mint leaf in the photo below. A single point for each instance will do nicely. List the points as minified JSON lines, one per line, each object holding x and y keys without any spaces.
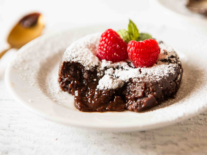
{"x":124,"y":35}
{"x":144,"y":36}
{"x":133,"y":31}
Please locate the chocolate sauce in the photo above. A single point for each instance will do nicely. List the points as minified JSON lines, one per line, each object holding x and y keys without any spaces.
{"x":29,"y":20}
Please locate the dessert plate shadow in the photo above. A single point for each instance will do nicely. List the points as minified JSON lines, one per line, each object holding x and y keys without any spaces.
{"x":32,"y":80}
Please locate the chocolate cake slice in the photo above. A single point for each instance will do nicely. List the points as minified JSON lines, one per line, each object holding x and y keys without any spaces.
{"x":106,"y":86}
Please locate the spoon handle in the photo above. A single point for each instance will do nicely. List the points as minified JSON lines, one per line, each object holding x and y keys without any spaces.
{"x":3,"y":52}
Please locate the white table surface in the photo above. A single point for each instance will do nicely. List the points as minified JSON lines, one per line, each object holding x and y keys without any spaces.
{"x":23,"y":133}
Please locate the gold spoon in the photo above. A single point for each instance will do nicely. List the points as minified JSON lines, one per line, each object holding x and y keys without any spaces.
{"x":27,"y":29}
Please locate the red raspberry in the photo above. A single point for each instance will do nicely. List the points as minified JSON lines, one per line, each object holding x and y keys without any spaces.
{"x":111,"y":47}
{"x":143,"y":53}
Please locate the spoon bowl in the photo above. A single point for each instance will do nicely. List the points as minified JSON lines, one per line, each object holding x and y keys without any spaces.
{"x":27,"y":29}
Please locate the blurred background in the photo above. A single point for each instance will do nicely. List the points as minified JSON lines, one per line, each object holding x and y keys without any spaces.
{"x":60,"y":14}
{"x":69,"y":13}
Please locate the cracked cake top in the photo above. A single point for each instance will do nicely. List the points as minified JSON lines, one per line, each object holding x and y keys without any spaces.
{"x":113,"y":75}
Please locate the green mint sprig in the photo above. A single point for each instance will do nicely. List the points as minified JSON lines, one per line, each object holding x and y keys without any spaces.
{"x":124,"y":35}
{"x":133,"y":33}
{"x":133,"y":30}
{"x":144,"y":36}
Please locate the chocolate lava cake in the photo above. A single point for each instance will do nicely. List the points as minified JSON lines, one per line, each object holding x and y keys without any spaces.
{"x":105,"y":86}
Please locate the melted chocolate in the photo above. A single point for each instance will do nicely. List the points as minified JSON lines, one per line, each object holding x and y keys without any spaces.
{"x":29,"y":20}
{"x":136,"y":95}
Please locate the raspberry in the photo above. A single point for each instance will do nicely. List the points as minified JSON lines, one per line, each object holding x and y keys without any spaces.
{"x":111,"y":47}
{"x":143,"y":53}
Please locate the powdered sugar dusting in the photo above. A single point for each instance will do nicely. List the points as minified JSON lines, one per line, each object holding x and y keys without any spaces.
{"x":111,"y":82}
{"x":84,"y":51}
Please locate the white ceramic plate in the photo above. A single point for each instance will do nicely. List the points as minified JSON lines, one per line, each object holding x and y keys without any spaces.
{"x":32,"y":80}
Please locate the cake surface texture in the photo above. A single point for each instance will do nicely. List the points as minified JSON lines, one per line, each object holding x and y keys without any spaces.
{"x":106,"y":86}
